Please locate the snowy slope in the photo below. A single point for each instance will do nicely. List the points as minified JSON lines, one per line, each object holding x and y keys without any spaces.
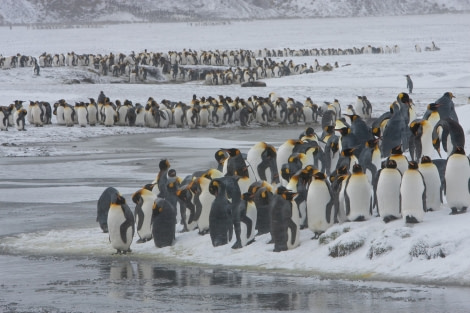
{"x":90,"y":11}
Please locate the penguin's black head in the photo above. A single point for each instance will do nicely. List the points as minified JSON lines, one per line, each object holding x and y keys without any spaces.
{"x":449,"y":95}
{"x":391,"y":163}
{"x":319,"y":176}
{"x":413,"y":165}
{"x":214,"y":186}
{"x":404,"y":97}
{"x":164,"y":164}
{"x":459,"y":150}
{"x":309,"y":131}
{"x":433,"y":106}
{"x":285,"y":172}
{"x":220,"y":156}
{"x":343,"y":170}
{"x":348,"y":152}
{"x":149,"y":187}
{"x":172,"y":173}
{"x":233,"y":152}
{"x":357,"y":168}
{"x":397,"y":150}
{"x":426,"y":159}
{"x":120,"y":199}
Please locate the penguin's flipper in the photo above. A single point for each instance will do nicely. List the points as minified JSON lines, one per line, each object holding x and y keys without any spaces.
{"x":139,"y":214}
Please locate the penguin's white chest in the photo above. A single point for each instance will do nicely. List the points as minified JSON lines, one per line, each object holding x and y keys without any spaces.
{"x":432,"y":181}
{"x":388,"y":192}
{"x":358,"y":194}
{"x":457,"y":181}
{"x":318,"y":197}
{"x":115,"y":219}
{"x":411,"y":191}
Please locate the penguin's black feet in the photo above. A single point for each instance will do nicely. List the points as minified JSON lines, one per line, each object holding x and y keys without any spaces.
{"x":237,"y":245}
{"x":411,"y":219}
{"x":142,"y":240}
{"x":317,"y":235}
{"x":389,"y":218}
{"x":455,"y":211}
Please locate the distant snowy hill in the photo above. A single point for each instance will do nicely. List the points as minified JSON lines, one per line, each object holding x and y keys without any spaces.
{"x":94,"y":11}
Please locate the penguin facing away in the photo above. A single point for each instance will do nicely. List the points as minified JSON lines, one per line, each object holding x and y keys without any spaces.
{"x":121,"y":224}
{"x":284,"y":220}
{"x":163,"y":223}
{"x":220,"y":217}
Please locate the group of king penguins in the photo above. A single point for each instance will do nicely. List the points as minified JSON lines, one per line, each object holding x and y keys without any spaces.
{"x":356,"y":169}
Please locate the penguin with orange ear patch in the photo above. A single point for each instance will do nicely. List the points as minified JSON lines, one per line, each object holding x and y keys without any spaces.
{"x":220,"y":216}
{"x":163,"y":223}
{"x":284,"y":220}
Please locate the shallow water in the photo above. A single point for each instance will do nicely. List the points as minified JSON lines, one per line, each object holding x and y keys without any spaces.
{"x":125,"y":284}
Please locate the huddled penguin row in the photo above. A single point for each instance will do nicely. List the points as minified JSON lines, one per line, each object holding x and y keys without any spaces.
{"x":198,"y":112}
{"x":310,"y":182}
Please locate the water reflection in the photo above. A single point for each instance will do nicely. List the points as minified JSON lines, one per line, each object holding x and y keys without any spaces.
{"x":206,"y":289}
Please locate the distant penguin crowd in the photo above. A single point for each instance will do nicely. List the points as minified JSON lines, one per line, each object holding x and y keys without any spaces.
{"x":214,"y":67}
{"x":353,"y":169}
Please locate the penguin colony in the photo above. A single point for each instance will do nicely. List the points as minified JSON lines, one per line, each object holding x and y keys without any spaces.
{"x":214,"y":67}
{"x":351,"y":172}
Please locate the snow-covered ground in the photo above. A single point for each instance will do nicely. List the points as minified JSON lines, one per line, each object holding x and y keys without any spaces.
{"x":434,"y":251}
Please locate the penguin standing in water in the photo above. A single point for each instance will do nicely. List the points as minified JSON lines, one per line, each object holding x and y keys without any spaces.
{"x":387,"y":192}
{"x":413,"y":194}
{"x":163,"y":223}
{"x":220,"y":217}
{"x":432,"y":180}
{"x":358,"y":195}
{"x":321,"y":211}
{"x":144,"y":199}
{"x":121,"y":224}
{"x":285,"y":228}
{"x":457,"y":181}
{"x":104,"y":202}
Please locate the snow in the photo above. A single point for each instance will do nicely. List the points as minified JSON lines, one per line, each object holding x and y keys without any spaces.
{"x":434,"y":251}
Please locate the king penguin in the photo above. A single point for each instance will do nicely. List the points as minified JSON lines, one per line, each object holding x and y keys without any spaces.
{"x":163,"y":223}
{"x":104,"y":202}
{"x":121,"y":225}
{"x":457,"y":178}
{"x":413,"y":194}
{"x":321,"y":211}
{"x":387,"y":192}
{"x":284,"y":220}
{"x":432,"y":180}
{"x":358,"y":195}
{"x":220,"y":217}
{"x":262,"y":160}
{"x":144,"y":199}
